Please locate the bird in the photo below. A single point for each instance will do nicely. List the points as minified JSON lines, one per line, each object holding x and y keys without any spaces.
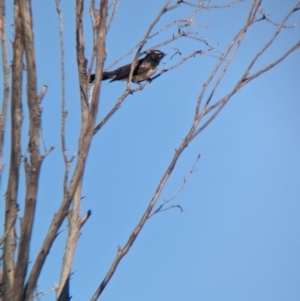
{"x":144,"y":69}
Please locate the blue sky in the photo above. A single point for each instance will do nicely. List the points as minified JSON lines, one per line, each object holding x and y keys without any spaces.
{"x":238,"y":237}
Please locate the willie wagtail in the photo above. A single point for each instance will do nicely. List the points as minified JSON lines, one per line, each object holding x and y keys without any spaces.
{"x":144,"y":69}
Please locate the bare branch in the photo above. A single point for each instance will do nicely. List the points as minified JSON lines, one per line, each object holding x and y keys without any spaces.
{"x":269,"y":43}
{"x":86,"y":134}
{"x":74,"y":227}
{"x":42,"y":294}
{"x":7,"y":231}
{"x":111,"y":112}
{"x":212,"y":117}
{"x":266,"y":17}
{"x":163,"y":209}
{"x":42,"y":93}
{"x":112,"y":16}
{"x":11,"y":207}
{"x":186,"y":178}
{"x":208,"y":7}
{"x":221,"y":103}
{"x":236,"y":40}
{"x":5,"y":79}
{"x":273,"y":64}
{"x":123,"y":251}
{"x":64,"y":112}
{"x":93,"y":16}
{"x":245,"y":78}
{"x":48,"y":151}
{"x":33,"y":168}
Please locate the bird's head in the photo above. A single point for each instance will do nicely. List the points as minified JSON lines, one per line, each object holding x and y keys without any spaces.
{"x":156,"y":55}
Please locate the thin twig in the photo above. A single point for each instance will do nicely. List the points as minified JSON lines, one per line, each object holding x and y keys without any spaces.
{"x":115,"y":4}
{"x":237,"y":39}
{"x":161,"y":208}
{"x":64,"y":112}
{"x":93,"y":16}
{"x":42,"y":93}
{"x":276,"y":62}
{"x":208,"y":7}
{"x":43,"y":294}
{"x":266,"y":17}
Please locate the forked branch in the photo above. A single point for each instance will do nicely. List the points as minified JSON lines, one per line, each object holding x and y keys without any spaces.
{"x":86,"y":134}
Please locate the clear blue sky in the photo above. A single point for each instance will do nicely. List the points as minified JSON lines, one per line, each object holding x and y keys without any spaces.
{"x":238,"y":237}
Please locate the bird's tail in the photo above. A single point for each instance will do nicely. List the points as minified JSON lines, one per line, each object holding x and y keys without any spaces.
{"x":106,"y":75}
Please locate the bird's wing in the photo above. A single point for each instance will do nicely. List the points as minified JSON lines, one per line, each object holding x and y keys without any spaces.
{"x":121,"y":73}
{"x":141,"y":68}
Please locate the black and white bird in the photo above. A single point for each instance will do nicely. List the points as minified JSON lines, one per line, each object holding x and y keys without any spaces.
{"x":144,"y":69}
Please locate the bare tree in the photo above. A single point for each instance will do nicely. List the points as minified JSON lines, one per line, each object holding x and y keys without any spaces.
{"x":19,"y":281}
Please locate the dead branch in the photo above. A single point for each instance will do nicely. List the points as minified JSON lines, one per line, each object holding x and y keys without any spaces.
{"x":161,"y":208}
{"x":75,"y":223}
{"x":74,"y":226}
{"x":208,"y":7}
{"x":93,"y":16}
{"x":245,"y":78}
{"x":86,"y":134}
{"x":11,"y":207}
{"x":47,"y":152}
{"x":234,"y":43}
{"x":115,"y":4}
{"x":266,"y":17}
{"x":276,"y":62}
{"x":5,"y":79}
{"x":123,"y":251}
{"x":32,"y":168}
{"x":64,"y":112}
{"x":272,"y":39}
{"x":42,"y":93}
{"x":42,"y":294}
{"x":186,"y":178}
